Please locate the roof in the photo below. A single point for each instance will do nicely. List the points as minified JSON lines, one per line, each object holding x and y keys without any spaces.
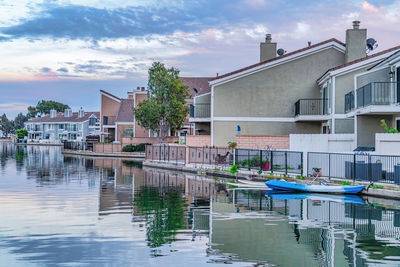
{"x":125,"y":112}
{"x":61,"y":118}
{"x":200,"y":83}
{"x":108,"y":94}
{"x":394,"y":55}
{"x":280,"y":57}
{"x":365,"y":58}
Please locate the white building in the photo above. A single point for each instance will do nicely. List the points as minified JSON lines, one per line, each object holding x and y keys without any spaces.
{"x":67,"y":125}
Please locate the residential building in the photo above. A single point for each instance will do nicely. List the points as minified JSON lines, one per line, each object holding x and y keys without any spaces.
{"x":117,"y":113}
{"x":300,"y":92}
{"x":66,"y":126}
{"x":117,"y":119}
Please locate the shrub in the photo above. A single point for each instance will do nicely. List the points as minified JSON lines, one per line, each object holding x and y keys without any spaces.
{"x":234,"y":169}
{"x":232,"y":145}
{"x":134,"y":148}
{"x":300,"y":177}
{"x":387,"y":129}
{"x":345,"y":183}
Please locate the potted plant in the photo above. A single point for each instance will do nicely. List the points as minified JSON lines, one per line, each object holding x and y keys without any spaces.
{"x":266,"y":166}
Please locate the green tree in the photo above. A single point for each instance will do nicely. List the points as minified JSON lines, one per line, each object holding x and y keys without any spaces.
{"x":5,"y":125}
{"x":165,"y":109}
{"x":21,"y":133}
{"x":19,"y":121}
{"x":387,"y":129}
{"x":43,"y":107}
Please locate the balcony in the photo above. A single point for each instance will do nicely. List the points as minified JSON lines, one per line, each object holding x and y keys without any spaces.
{"x":109,"y":120}
{"x":311,"y":109}
{"x":200,"y":112}
{"x":374,"y":98}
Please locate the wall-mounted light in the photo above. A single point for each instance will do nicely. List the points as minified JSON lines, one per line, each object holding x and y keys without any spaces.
{"x":391,"y":74}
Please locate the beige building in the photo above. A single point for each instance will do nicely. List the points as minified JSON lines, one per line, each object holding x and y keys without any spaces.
{"x":300,"y":92}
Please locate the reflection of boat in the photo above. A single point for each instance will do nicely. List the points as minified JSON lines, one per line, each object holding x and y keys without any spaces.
{"x":252,"y":184}
{"x":278,"y":195}
{"x":321,"y":188}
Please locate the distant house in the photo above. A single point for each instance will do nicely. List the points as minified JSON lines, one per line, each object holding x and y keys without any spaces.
{"x":304,"y":92}
{"x":67,"y":125}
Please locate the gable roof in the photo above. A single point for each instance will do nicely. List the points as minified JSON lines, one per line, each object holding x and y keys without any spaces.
{"x":365,"y":58}
{"x":61,"y":118}
{"x":125,"y":111}
{"x":332,"y":40}
{"x":388,"y":59}
{"x":200,"y":83}
{"x":110,"y":95}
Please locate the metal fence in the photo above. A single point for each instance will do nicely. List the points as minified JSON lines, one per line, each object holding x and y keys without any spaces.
{"x":83,"y":146}
{"x":360,"y":167}
{"x":210,"y":155}
{"x":166,"y":153}
{"x":270,"y":160}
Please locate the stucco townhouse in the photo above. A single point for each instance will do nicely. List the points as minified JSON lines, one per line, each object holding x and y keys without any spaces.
{"x":66,"y":126}
{"x":117,"y":117}
{"x":300,"y":92}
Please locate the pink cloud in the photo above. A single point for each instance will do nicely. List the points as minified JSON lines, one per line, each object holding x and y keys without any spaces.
{"x":369,"y":7}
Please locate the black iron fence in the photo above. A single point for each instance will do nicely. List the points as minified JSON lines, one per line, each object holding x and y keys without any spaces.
{"x":167,"y":153}
{"x":82,"y":146}
{"x":270,"y":160}
{"x":360,"y":167}
{"x":210,"y":155}
{"x":311,"y":107}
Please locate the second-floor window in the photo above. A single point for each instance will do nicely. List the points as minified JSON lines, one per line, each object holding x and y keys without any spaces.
{"x":105,"y":120}
{"x":92,"y":121}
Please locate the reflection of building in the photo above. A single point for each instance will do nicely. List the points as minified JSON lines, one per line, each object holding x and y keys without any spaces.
{"x":314,"y":231}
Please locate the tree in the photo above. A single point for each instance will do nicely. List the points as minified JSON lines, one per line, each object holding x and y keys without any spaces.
{"x":5,"y":125}
{"x":43,"y":107}
{"x":19,"y":121}
{"x":165,"y":107}
{"x":21,"y":133}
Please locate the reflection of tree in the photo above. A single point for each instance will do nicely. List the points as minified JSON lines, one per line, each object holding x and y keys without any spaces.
{"x":164,"y":213}
{"x":378,"y":250}
{"x":20,"y":154}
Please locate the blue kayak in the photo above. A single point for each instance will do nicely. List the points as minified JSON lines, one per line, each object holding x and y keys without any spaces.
{"x":321,"y":188}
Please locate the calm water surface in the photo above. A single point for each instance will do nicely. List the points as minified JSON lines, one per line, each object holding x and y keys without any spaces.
{"x":60,"y":210}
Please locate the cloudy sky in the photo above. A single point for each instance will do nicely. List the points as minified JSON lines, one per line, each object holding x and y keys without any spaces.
{"x":66,"y":50}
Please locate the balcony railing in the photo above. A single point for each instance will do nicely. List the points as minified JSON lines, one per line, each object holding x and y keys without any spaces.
{"x":349,"y":102}
{"x":311,"y":107}
{"x":109,"y":120}
{"x":200,"y":110}
{"x":377,"y":93}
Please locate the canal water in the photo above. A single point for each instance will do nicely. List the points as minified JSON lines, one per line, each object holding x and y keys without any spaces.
{"x":60,"y":210}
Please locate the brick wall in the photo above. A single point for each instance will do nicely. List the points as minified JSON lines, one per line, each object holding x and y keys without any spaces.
{"x":198,"y":140}
{"x":107,"y":148}
{"x":262,"y":141}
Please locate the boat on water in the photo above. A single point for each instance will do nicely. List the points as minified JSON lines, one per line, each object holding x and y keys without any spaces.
{"x":314,"y":188}
{"x":284,"y":195}
{"x":244,"y":184}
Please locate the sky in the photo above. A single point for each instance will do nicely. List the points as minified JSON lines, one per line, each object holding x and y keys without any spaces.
{"x":67,"y":50}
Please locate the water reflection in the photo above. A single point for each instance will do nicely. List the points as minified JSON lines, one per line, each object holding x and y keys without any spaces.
{"x":59,"y":210}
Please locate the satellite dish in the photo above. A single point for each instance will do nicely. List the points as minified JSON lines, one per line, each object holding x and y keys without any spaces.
{"x":371,"y":44}
{"x":195,"y":91}
{"x":280,"y":52}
